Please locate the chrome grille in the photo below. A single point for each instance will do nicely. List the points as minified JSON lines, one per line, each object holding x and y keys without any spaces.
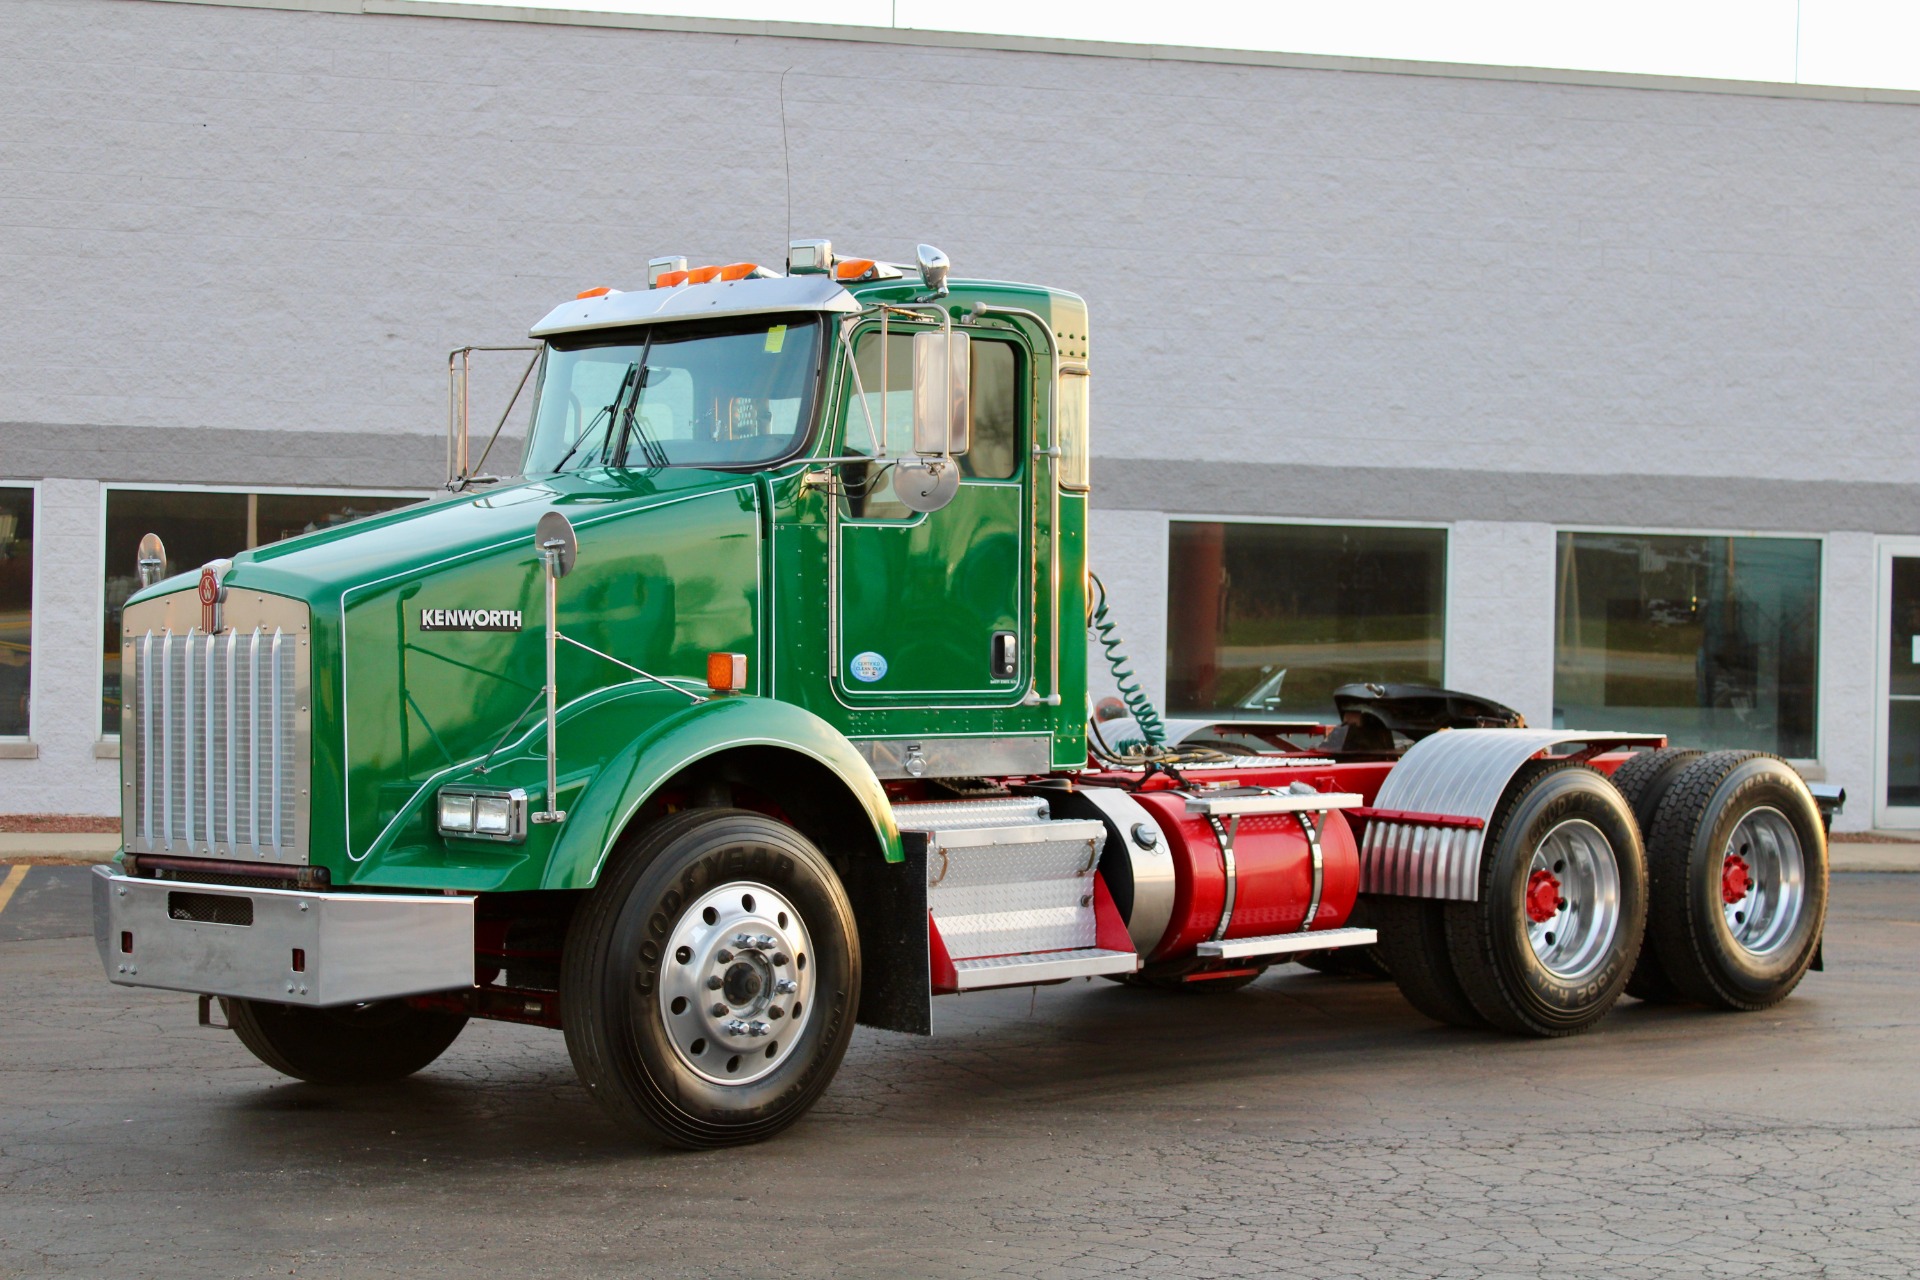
{"x":214,"y":739}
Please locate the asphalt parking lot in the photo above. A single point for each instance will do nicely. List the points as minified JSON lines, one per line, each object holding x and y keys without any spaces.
{"x":1307,"y":1126}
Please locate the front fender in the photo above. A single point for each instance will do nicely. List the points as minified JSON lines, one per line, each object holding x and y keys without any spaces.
{"x":639,"y":759}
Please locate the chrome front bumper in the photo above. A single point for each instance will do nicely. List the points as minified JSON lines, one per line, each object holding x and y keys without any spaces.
{"x":280,"y":945}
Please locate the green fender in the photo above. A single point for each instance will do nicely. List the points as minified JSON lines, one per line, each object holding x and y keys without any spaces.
{"x":637,"y":765}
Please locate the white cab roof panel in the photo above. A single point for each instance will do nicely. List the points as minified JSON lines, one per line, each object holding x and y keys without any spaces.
{"x":693,"y":301}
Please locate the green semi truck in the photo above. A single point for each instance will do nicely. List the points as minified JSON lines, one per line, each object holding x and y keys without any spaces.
{"x":754,"y":706}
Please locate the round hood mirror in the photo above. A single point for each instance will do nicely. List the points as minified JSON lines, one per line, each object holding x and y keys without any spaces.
{"x":556,"y":541}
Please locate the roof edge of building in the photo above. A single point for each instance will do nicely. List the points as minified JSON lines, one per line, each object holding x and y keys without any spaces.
{"x":926,"y":38}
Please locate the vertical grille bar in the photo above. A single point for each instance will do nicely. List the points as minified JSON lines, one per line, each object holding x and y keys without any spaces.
{"x":143,"y":683}
{"x":233,"y":743}
{"x":207,"y":737}
{"x":166,"y":741}
{"x":253,"y":740}
{"x":186,"y":731}
{"x":277,"y":735}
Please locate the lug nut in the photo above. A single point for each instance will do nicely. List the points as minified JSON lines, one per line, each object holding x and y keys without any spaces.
{"x":735,"y":1027}
{"x":715,"y":982}
{"x":742,"y":939}
{"x":779,"y":957}
{"x":724,"y":956}
{"x":719,"y":1010}
{"x":758,"y":1029}
{"x":776,"y":1012}
{"x":764,"y":942}
{"x":785,"y":986}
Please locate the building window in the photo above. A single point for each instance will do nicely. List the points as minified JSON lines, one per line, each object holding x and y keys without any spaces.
{"x":1269,"y":619}
{"x":16,"y":610}
{"x":197,"y":526}
{"x":1711,"y":641}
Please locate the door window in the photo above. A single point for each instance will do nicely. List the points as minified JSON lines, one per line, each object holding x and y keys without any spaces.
{"x":882,"y":402}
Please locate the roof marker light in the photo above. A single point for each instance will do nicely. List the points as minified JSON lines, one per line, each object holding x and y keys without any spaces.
{"x":659,"y":268}
{"x":601,"y":292}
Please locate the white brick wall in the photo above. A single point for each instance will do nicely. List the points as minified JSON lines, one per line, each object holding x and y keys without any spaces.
{"x":1500,"y":583}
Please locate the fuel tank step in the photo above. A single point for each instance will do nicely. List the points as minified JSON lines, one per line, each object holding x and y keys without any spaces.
{"x":1280,"y":944}
{"x":1014,"y":897}
{"x":1046,"y":966}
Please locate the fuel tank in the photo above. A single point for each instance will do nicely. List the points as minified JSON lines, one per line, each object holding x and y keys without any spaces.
{"x":1167,"y":872}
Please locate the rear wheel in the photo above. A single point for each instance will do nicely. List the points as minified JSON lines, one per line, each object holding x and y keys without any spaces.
{"x":1643,"y":782}
{"x":710,"y":980}
{"x":1739,"y":861}
{"x":354,"y":1044}
{"x":1548,"y":947}
{"x":1413,"y":941}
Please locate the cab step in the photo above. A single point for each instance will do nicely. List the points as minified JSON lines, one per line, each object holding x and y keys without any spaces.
{"x":1280,"y":944}
{"x":1014,"y":897}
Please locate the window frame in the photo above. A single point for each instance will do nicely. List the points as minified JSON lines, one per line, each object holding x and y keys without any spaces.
{"x":21,"y":745}
{"x":111,"y":739}
{"x":1824,"y":639}
{"x":1447,"y":614}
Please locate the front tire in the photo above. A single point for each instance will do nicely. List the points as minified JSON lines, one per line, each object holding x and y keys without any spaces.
{"x":357,"y":1044}
{"x":1549,"y":945}
{"x":710,"y":980}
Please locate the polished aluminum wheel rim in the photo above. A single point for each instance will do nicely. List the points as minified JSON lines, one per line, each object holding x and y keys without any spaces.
{"x":736,"y":986}
{"x":1761,"y":912}
{"x":1573,"y":931}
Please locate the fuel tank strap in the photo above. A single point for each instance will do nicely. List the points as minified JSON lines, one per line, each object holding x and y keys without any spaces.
{"x":1312,"y":829}
{"x":1225,"y":833}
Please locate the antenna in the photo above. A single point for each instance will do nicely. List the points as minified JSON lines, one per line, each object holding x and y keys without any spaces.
{"x":786,"y":153}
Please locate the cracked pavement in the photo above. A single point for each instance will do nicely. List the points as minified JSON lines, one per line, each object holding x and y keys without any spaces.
{"x":1306,"y":1126}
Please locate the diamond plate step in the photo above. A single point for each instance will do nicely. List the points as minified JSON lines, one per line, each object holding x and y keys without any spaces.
{"x":1013,"y":890}
{"x":1048,"y":966}
{"x":1279,"y":944}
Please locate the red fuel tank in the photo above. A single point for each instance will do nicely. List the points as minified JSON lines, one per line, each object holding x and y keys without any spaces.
{"x":1273,"y":864}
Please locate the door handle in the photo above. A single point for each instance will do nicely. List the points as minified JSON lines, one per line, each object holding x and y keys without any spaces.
{"x":1005,"y":655}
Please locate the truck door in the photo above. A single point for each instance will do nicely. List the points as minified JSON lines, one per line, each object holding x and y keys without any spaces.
{"x":934,"y":609}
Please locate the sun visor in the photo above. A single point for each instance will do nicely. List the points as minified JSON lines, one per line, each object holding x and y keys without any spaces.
{"x":696,"y":301}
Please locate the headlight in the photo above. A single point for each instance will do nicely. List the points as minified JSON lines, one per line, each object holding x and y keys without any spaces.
{"x":483,"y":815}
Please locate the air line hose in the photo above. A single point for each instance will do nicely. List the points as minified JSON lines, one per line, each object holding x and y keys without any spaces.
{"x":1130,"y":691}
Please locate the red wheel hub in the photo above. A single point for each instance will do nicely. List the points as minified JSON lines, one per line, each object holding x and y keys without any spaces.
{"x":1543,"y":896}
{"x":1735,"y":879}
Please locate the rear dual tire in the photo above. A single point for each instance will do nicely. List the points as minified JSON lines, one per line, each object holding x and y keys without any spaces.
{"x":1547,"y":948}
{"x":1738,"y":857}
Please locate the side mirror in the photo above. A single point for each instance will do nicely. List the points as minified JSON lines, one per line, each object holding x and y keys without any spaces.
{"x":150,"y":563}
{"x":942,"y":418}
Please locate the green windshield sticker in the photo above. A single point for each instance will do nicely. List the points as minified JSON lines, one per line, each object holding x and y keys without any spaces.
{"x":776,"y":338}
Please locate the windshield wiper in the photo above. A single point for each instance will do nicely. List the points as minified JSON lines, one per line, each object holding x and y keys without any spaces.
{"x":650,"y":448}
{"x":608,"y":411}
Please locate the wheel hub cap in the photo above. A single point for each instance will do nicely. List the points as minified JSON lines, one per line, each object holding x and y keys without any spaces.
{"x":1763,"y":882}
{"x":1734,"y":879}
{"x":1543,"y":896}
{"x":736,"y":989}
{"x":1573,"y":900}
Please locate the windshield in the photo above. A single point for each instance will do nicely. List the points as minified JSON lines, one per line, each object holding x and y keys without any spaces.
{"x":685,"y":395}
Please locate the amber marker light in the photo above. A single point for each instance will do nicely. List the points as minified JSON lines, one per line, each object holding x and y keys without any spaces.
{"x":852,"y":268}
{"x":726,"y":672}
{"x":601,"y":292}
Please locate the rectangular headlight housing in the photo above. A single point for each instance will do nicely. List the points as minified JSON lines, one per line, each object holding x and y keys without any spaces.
{"x":483,"y":815}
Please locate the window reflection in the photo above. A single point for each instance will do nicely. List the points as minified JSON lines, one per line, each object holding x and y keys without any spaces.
{"x":1711,"y":641}
{"x":16,"y":610}
{"x":1268,"y":619}
{"x":198,"y":526}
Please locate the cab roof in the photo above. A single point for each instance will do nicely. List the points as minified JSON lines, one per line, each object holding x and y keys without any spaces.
{"x":615,"y":310}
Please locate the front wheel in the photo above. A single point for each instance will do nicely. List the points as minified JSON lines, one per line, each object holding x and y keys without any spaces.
{"x":354,"y":1044}
{"x":1549,"y":945}
{"x":710,"y":980}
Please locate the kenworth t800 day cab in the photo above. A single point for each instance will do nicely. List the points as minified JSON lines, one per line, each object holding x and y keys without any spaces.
{"x":756,"y":706}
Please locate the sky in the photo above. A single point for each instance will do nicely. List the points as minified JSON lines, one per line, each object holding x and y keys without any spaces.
{"x":1874,"y":43}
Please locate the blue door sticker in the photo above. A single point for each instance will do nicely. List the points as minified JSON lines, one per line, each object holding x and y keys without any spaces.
{"x":867,"y":667}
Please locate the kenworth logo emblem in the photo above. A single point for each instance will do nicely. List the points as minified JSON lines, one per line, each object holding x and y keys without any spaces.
{"x":469,"y":619}
{"x":213,"y":593}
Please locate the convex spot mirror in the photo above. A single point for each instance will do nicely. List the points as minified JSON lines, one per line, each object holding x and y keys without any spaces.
{"x":554,"y":537}
{"x":942,"y":419}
